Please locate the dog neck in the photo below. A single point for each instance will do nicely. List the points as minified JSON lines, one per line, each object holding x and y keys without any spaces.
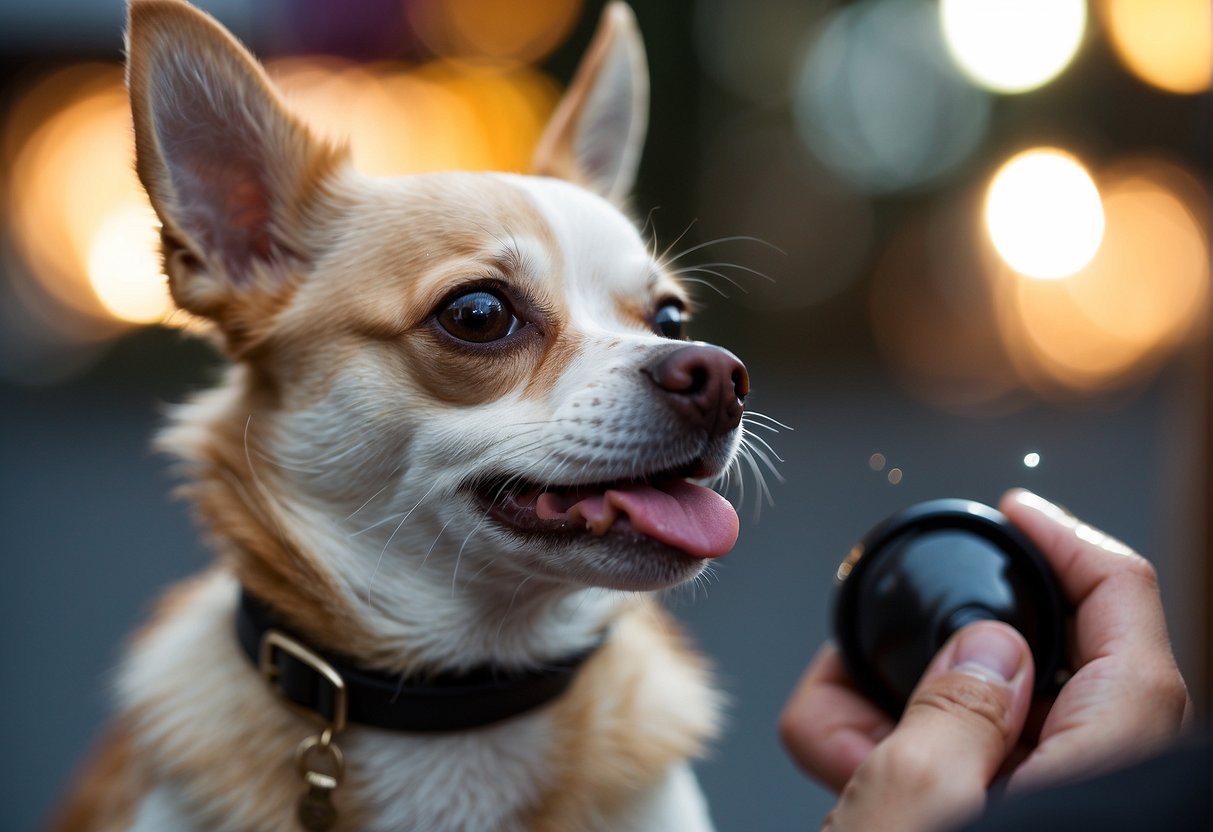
{"x":344,"y":591}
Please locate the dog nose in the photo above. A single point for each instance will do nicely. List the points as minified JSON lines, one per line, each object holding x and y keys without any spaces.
{"x":705,"y":385}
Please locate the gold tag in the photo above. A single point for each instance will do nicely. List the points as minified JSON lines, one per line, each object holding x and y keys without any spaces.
{"x":316,"y":811}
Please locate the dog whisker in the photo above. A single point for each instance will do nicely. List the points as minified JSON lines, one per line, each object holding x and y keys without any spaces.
{"x":721,"y":275}
{"x":381,"y":522}
{"x":509,"y":608}
{"x":677,"y":240}
{"x":754,"y":414}
{"x":760,"y":483}
{"x":259,"y":487}
{"x":725,"y":264}
{"x":648,"y":225}
{"x":391,"y":480}
{"x":753,"y":456}
{"x":459,"y":555}
{"x":391,"y":537}
{"x":288,"y":463}
{"x":699,"y":281}
{"x":732,"y":239}
{"x":762,"y":455}
{"x":752,"y":437}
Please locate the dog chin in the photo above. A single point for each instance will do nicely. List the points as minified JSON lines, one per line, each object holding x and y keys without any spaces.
{"x":616,"y":560}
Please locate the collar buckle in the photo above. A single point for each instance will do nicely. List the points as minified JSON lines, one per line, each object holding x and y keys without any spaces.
{"x":279,"y":673}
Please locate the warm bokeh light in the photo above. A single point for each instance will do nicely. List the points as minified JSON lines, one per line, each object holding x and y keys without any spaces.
{"x":1043,"y":213}
{"x":124,"y":266}
{"x":878,"y":101}
{"x":86,"y":234}
{"x":1013,"y":46}
{"x":1166,"y":43}
{"x":1141,"y":295}
{"x":492,"y":32}
{"x":441,"y":116}
{"x":69,"y":146}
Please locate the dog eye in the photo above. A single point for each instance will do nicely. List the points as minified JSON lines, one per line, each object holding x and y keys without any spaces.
{"x":670,"y":320}
{"x":478,"y":317}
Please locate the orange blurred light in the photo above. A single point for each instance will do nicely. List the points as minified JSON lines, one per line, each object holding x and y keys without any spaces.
{"x":72,"y":171}
{"x":1166,"y":43}
{"x":1140,"y":296}
{"x":442,"y":116}
{"x":492,"y":32}
{"x":124,"y":253}
{"x":83,"y":226}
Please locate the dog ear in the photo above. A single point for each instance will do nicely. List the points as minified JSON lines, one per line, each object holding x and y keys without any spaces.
{"x":597,"y":133}
{"x":231,"y":174}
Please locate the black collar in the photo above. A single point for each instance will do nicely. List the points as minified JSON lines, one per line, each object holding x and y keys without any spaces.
{"x":335,"y":689}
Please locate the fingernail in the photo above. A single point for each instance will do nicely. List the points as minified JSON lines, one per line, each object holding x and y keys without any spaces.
{"x":1038,"y":503}
{"x":1095,"y":537}
{"x":988,"y":652}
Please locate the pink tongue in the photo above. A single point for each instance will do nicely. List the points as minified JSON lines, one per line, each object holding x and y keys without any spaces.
{"x":689,"y":517}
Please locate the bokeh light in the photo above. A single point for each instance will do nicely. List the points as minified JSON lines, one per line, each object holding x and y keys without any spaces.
{"x":1012,"y":46}
{"x":880,"y":103}
{"x":1166,"y":43}
{"x":82,"y":227}
{"x":69,"y":151}
{"x":441,"y":116}
{"x":1044,"y":214}
{"x":124,"y":265}
{"x":1142,"y":295}
{"x":491,"y":32}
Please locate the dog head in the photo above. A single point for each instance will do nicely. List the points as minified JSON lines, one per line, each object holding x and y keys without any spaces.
{"x":453,"y":373}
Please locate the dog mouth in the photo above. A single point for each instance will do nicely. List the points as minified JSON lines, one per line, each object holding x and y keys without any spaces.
{"x":665,"y":507}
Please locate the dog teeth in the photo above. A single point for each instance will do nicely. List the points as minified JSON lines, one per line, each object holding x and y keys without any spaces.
{"x":597,"y":514}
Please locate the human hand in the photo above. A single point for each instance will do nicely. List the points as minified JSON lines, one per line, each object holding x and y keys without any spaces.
{"x":971,"y":717}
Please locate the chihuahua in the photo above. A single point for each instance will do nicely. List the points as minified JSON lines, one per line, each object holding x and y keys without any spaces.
{"x":458,"y":447}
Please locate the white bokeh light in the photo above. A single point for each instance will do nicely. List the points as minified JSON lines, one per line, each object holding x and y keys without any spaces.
{"x":878,"y":101}
{"x":1044,"y":214}
{"x":1012,"y":46}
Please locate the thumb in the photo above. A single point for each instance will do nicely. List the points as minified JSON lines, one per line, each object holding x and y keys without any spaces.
{"x":961,"y":722}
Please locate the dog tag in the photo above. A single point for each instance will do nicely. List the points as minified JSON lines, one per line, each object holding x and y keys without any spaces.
{"x":316,"y":811}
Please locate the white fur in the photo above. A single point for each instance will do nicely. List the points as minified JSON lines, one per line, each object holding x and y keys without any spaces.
{"x":190,"y":673}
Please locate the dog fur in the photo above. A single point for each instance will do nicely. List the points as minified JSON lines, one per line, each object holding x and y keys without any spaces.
{"x":331,"y":467}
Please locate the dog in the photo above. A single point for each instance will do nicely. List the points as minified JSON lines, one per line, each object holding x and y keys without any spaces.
{"x":458,"y":449}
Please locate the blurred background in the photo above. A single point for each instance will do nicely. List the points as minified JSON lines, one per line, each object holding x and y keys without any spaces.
{"x":961,"y":246}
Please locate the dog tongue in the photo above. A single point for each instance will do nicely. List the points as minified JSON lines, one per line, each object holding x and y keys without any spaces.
{"x":689,"y":517}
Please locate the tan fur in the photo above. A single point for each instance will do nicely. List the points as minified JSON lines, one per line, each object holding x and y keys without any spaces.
{"x":613,"y":746}
{"x":107,"y":788}
{"x":324,"y":293}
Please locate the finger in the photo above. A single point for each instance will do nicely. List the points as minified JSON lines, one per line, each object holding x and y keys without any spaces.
{"x":1126,"y":696}
{"x":959,"y":725}
{"x":1113,"y":590}
{"x":828,"y":726}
